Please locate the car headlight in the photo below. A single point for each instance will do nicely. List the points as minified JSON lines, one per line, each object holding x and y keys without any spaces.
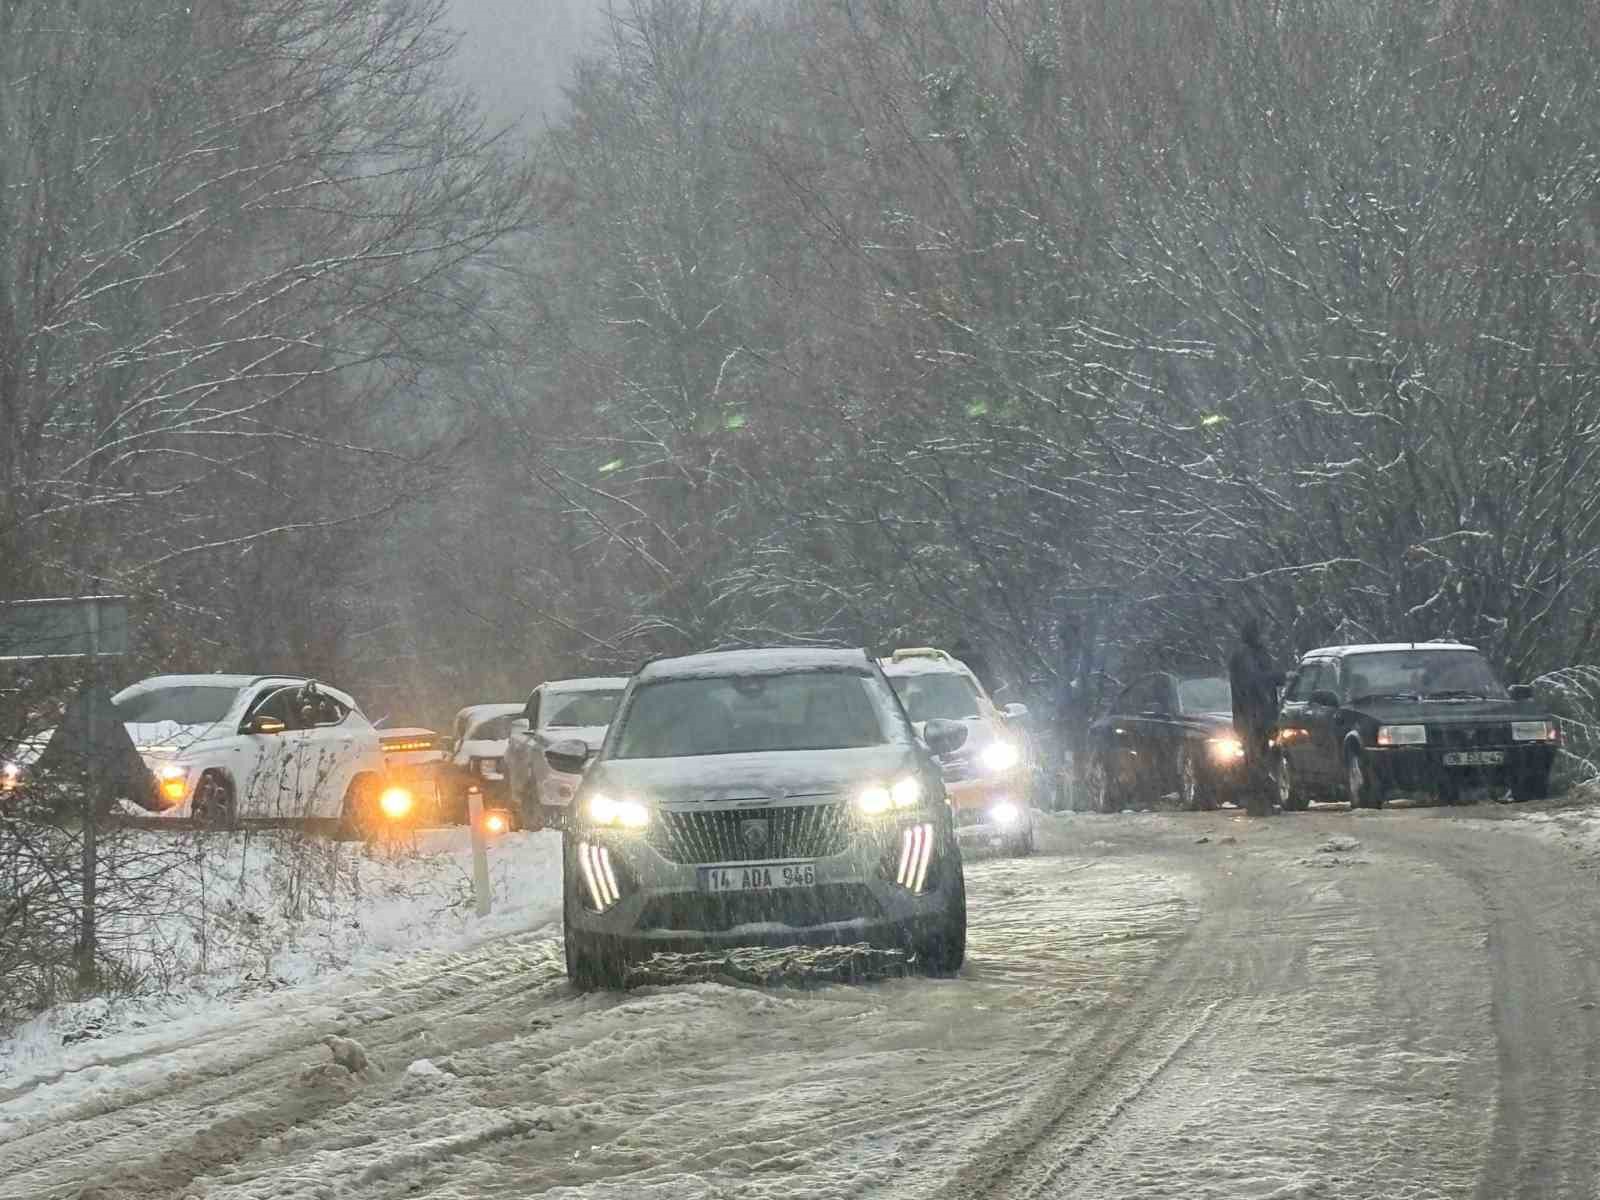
{"x":624,"y":814}
{"x":1402,"y":735}
{"x":1535,"y":731}
{"x":1000,"y":756}
{"x":172,"y":780}
{"x":395,"y":803}
{"x":1226,"y":748}
{"x":10,"y":776}
{"x":876,"y":799}
{"x":1005,"y":813}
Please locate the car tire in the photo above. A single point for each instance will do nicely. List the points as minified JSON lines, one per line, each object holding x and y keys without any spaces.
{"x":1361,"y":788}
{"x":213,"y":805}
{"x":358,"y":815}
{"x":594,"y":962}
{"x":1530,"y":785}
{"x":1292,"y":795}
{"x":941,"y":949}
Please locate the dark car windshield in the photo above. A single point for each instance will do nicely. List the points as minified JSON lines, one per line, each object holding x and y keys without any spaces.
{"x":1205,"y":695}
{"x":942,"y":697}
{"x":181,"y":705}
{"x":1427,"y":674}
{"x":580,"y":708}
{"x":814,"y":710}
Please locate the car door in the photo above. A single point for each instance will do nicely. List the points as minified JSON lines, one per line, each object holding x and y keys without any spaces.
{"x":1121,"y":745}
{"x":1161,"y":735}
{"x":269,"y":783}
{"x":329,"y":755}
{"x":1316,"y":755}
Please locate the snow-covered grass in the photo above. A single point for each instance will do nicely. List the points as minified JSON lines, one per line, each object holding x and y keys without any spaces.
{"x":250,"y":916}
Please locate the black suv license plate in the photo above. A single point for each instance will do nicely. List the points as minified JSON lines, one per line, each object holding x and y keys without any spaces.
{"x":760,"y":877}
{"x":1474,"y":758}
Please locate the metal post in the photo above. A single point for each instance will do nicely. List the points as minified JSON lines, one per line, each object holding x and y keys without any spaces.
{"x":480,"y":852}
{"x":91,"y":802}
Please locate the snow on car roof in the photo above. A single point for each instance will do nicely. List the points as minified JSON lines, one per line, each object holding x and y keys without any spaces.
{"x":481,"y":711}
{"x":773,"y":661}
{"x":593,"y":683}
{"x":1379,"y":647}
{"x":924,"y":666}
{"x":156,"y":682}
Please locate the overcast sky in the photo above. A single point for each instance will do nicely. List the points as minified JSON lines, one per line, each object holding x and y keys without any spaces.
{"x":516,"y":53}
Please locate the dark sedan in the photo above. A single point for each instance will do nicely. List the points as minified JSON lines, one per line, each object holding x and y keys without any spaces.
{"x":1167,"y":734}
{"x":1362,"y":722}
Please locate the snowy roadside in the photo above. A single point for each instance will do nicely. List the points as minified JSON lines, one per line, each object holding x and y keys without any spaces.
{"x":288,"y":926}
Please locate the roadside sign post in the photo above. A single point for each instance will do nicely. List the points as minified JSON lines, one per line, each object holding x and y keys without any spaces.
{"x":87,"y":627}
{"x":480,"y":851}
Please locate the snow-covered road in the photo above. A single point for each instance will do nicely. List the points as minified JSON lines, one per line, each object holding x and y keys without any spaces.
{"x":1153,"y":1006}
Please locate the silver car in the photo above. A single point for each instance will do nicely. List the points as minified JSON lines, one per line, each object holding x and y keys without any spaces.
{"x":761,"y":797}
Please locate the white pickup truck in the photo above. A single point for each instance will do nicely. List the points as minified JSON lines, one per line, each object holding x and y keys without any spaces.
{"x":558,"y":711}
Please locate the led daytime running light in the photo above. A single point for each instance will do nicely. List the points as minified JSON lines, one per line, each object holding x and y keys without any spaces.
{"x":594,"y":864}
{"x":916,"y":849}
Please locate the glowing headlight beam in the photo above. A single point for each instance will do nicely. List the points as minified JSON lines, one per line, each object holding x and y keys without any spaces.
{"x":1000,"y":756}
{"x":395,"y":803}
{"x":627,"y":814}
{"x":1005,"y":813}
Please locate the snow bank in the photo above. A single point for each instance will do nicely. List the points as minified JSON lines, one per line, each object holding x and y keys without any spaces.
{"x":254,"y":917}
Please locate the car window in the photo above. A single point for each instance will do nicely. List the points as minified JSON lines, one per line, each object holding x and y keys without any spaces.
{"x":280,"y":703}
{"x":813,"y":710}
{"x":1426,"y":674}
{"x":495,"y":729}
{"x":190,"y":705}
{"x":577,"y":709}
{"x":1205,"y":695}
{"x":1146,"y":695}
{"x":1315,"y":676}
{"x":321,"y":710}
{"x":931,"y":697}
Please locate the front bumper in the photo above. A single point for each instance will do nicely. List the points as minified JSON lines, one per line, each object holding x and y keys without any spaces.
{"x":659,"y":904}
{"x":1423,"y":767}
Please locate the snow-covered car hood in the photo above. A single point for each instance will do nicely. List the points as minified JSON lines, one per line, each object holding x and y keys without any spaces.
{"x":590,"y":735}
{"x":752,"y":776}
{"x":163,"y":739}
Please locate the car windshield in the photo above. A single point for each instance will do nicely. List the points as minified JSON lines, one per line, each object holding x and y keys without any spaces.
{"x":1427,"y":674}
{"x":575,"y":709}
{"x":813,"y":710}
{"x":189,"y":705}
{"x":1205,"y":695}
{"x":495,"y":729}
{"x":941,"y":697}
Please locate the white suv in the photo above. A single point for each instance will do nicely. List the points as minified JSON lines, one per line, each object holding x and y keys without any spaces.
{"x":557,"y":711}
{"x":273,"y":747}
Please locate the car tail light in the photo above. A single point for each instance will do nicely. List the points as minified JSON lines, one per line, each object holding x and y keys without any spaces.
{"x":916,"y":849}
{"x":599,"y":877}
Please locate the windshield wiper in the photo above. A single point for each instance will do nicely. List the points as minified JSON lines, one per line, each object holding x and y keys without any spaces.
{"x":1454,"y":694}
{"x":1384,"y":696}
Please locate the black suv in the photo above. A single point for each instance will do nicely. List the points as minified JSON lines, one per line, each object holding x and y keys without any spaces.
{"x":1361,"y":722}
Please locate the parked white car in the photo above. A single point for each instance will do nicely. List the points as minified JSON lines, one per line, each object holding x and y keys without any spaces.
{"x":275,"y":747}
{"x":477,"y":754}
{"x":558,"y":711}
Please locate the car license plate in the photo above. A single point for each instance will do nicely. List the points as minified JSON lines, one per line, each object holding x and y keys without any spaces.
{"x":765,"y":877}
{"x":1474,"y":758}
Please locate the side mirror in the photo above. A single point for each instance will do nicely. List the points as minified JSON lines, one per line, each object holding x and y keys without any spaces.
{"x":1015,"y":711}
{"x":943,"y":737}
{"x":1520,"y":691}
{"x":568,"y":756}
{"x":264,"y":724}
{"x":1325,"y":699}
{"x":519,"y":724}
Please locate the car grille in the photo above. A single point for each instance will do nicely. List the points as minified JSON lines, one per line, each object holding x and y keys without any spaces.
{"x":718,"y":836}
{"x":1462,"y":737}
{"x":825,"y":904}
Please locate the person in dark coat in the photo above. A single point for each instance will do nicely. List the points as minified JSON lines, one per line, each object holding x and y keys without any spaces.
{"x":1255,"y":683}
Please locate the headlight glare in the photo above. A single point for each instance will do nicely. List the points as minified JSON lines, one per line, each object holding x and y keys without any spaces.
{"x":395,"y":802}
{"x":625,"y":813}
{"x":1402,"y":735}
{"x":874,"y":800}
{"x":1000,"y":756}
{"x":906,"y":793}
{"x":1005,"y":813}
{"x":1226,"y":748}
